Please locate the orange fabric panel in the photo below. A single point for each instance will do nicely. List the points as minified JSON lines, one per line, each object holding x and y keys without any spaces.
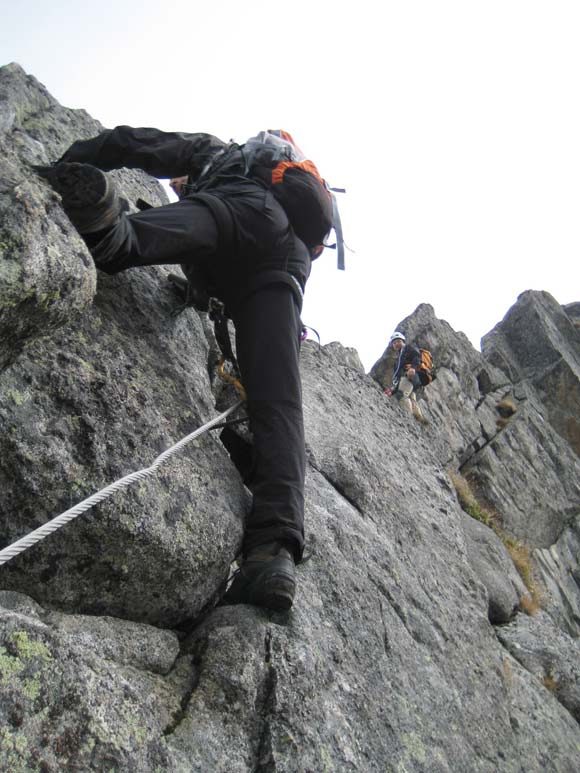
{"x":280,"y":169}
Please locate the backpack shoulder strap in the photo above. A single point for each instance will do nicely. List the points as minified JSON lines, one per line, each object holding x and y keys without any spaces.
{"x":337,"y":225}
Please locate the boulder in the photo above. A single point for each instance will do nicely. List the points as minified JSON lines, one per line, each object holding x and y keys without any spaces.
{"x":493,"y":565}
{"x":71,"y":699}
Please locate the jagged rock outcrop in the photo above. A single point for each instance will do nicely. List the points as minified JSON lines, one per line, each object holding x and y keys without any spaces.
{"x":573,"y":312}
{"x":523,"y":468}
{"x":538,"y":344}
{"x":112,"y":655}
{"x":46,"y":275}
{"x":462,"y":399}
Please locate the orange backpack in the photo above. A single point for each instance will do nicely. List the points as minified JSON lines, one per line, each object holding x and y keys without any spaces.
{"x":426,"y":370}
{"x":274,"y":158}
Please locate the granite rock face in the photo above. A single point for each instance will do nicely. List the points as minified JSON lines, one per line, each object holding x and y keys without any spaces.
{"x":493,"y":565}
{"x":462,"y":398}
{"x":523,"y":467}
{"x":538,"y":343}
{"x":406,"y":648}
{"x":97,"y":392}
{"x":47,"y":278}
{"x":543,"y":650}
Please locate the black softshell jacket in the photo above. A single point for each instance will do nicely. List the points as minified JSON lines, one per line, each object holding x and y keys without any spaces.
{"x":232,"y":230}
{"x":216,"y":171}
{"x":409,"y":355}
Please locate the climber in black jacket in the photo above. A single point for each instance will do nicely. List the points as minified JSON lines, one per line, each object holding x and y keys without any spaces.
{"x":231,"y":234}
{"x":406,"y":379}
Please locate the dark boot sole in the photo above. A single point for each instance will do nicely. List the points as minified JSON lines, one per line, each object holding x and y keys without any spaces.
{"x":279,"y":596}
{"x":81,"y":185}
{"x":88,"y":197}
{"x":273,"y":589}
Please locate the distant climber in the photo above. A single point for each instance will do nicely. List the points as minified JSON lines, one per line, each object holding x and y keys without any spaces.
{"x":231,"y":234}
{"x":406,"y":380}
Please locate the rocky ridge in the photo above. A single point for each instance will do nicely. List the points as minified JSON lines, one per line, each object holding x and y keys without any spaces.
{"x":407,"y":648}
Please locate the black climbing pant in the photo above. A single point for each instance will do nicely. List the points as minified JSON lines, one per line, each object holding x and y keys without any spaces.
{"x":237,"y":239}
{"x":268,"y":342}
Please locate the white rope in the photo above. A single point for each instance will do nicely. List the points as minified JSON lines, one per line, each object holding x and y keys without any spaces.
{"x":60,"y":520}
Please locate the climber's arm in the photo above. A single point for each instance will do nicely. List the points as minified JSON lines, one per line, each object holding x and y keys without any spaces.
{"x":161,"y":154}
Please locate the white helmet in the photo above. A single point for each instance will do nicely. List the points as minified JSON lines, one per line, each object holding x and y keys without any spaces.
{"x":397,"y":334}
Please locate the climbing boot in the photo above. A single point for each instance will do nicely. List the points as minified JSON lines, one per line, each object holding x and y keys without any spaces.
{"x":417,"y":412}
{"x":266,"y":578}
{"x":88,"y":196}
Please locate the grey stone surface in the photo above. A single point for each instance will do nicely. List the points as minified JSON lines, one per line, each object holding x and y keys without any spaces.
{"x":559,"y":570}
{"x":539,"y":342}
{"x":47,"y":277}
{"x":525,"y":471}
{"x":573,"y":312}
{"x":549,"y":654}
{"x":112,"y":653}
{"x":101,"y":399}
{"x":530,"y":477}
{"x":493,"y":565}
{"x":537,"y":720}
{"x":117,"y":381}
{"x":459,"y":400}
{"x":63,"y":706}
{"x":127,"y":643}
{"x":534,"y":334}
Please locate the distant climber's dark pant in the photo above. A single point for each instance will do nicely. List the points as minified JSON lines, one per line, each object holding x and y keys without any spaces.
{"x":246,"y":261}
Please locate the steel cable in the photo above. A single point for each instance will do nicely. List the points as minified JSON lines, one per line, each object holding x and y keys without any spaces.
{"x":60,"y":520}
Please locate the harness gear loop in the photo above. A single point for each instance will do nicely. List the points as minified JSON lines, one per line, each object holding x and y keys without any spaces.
{"x":222,"y":334}
{"x":231,"y":379}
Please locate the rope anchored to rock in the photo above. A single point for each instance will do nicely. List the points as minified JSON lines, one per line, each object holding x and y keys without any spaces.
{"x":60,"y":520}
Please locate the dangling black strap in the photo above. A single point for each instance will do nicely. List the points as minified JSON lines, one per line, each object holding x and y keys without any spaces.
{"x":222,"y":333}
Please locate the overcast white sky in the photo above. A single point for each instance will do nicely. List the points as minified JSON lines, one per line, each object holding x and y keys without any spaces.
{"x":454,"y":125}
